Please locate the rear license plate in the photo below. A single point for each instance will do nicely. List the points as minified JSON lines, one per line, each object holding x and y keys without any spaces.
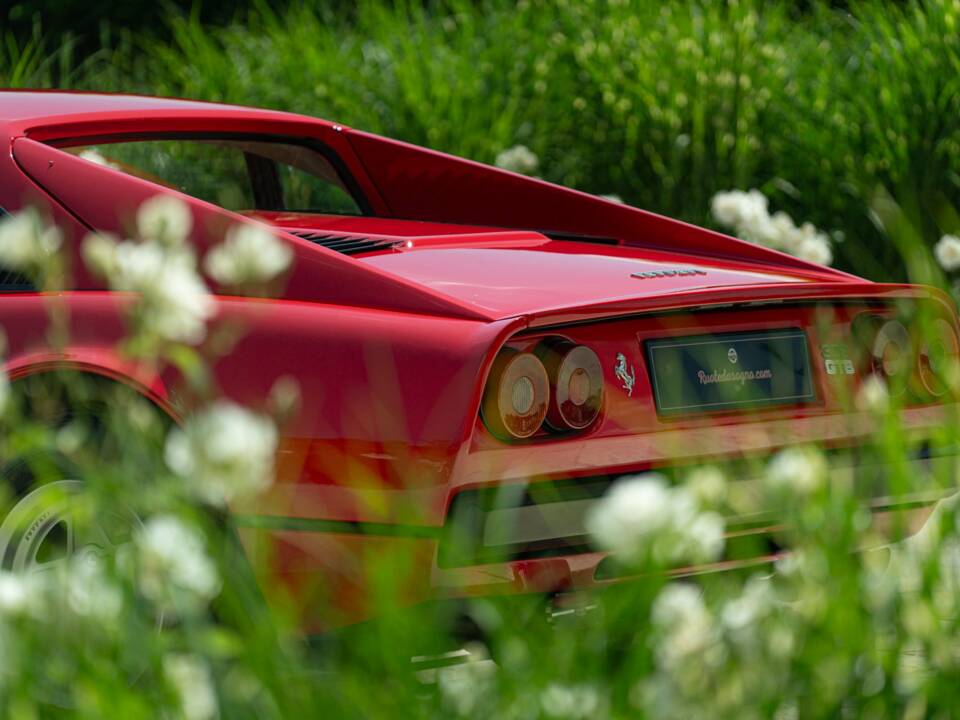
{"x":730,"y":371}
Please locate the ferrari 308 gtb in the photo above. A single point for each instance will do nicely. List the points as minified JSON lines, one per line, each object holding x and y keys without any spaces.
{"x":480,"y":354}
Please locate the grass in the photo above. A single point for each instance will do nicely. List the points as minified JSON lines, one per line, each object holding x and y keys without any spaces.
{"x":662,"y":105}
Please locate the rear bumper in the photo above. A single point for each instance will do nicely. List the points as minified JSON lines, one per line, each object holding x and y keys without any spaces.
{"x":544,"y":547}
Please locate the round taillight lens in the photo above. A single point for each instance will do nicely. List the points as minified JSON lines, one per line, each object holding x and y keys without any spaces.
{"x":940,"y":350}
{"x":576,"y":378}
{"x":892,"y":353}
{"x":516,"y":397}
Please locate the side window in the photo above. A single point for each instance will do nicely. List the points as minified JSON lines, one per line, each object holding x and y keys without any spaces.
{"x":234,"y":174}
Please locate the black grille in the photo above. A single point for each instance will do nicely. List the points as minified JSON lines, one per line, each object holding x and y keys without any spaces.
{"x":347,"y":244}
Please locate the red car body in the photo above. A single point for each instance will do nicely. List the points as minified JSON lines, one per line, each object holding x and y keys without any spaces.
{"x":392,"y":348}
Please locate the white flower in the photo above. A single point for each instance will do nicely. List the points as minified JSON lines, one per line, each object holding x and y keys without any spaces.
{"x":784,"y":234}
{"x":746,"y":610}
{"x":174,"y":302}
{"x":612,"y":198}
{"x":676,"y":604}
{"x":94,"y":156}
{"x":579,"y":702}
{"x":800,"y":471}
{"x":947,"y":252}
{"x":518,"y":159}
{"x":189,"y":676}
{"x":632,"y":511}
{"x":467,"y":687}
{"x":748,"y":215}
{"x":165,"y":219}
{"x":16,"y":593}
{"x":90,"y":592}
{"x":816,"y":250}
{"x":174,"y":570}
{"x":26,"y":241}
{"x":685,"y":628}
{"x":250,"y":254}
{"x":737,"y":208}
{"x":643,"y":517}
{"x":225,"y":452}
{"x":100,"y":253}
{"x":873,"y":395}
{"x":708,"y":485}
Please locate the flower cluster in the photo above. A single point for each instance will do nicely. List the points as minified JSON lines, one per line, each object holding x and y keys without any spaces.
{"x":644,"y":519}
{"x":747,"y":214}
{"x":173,"y":569}
{"x":518,"y":159}
{"x":250,"y":254}
{"x":174,"y":303}
{"x":224,"y":452}
{"x":190,"y":678}
{"x":796,"y":472}
{"x":27,"y":242}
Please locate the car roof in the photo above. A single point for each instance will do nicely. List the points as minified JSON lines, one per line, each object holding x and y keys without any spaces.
{"x":39,"y":105}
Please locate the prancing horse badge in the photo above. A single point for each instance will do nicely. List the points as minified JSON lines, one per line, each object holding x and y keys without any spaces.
{"x":627,"y":378}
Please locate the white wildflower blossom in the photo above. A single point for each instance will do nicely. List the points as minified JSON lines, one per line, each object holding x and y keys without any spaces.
{"x":89,"y":590}
{"x":947,"y":252}
{"x":224,"y":452}
{"x":783,"y":233}
{"x":685,"y":627}
{"x":164,"y":219}
{"x":747,"y":213}
{"x":173,"y":567}
{"x":17,"y":593}
{"x":100,"y":253}
{"x":577,"y":702}
{"x":612,"y":198}
{"x":174,"y":304}
{"x":708,"y":485}
{"x":94,"y":156}
{"x":190,"y":678}
{"x":816,"y":250}
{"x":873,"y":396}
{"x":642,"y":517}
{"x":250,"y":254}
{"x":797,"y":470}
{"x":737,"y":207}
{"x":27,"y":242}
{"x":518,"y":159}
{"x":745,"y":611}
{"x":466,"y":688}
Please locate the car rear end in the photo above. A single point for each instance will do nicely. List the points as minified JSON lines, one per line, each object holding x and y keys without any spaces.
{"x":580,"y":400}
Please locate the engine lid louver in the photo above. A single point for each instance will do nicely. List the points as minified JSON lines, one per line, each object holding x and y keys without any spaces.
{"x":347,"y":244}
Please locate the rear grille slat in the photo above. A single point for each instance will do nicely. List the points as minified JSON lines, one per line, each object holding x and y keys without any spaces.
{"x":347,"y":244}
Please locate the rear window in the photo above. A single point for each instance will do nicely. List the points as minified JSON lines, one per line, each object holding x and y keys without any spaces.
{"x":234,"y":174}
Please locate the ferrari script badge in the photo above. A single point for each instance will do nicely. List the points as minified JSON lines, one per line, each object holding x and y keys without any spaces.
{"x":627,"y":378}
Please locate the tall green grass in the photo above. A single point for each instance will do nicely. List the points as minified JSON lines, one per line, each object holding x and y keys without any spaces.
{"x":663,"y":105}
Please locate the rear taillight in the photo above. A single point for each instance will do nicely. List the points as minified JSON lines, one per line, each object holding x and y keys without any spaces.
{"x":517,"y":395}
{"x":576,"y":379}
{"x":892,"y":355}
{"x":915,"y":360}
{"x":937,"y":354}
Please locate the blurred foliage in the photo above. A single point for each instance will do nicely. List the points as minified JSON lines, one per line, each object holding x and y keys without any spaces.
{"x":663,"y":105}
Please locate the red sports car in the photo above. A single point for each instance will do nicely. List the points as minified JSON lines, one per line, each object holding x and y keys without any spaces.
{"x":480,"y":354}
